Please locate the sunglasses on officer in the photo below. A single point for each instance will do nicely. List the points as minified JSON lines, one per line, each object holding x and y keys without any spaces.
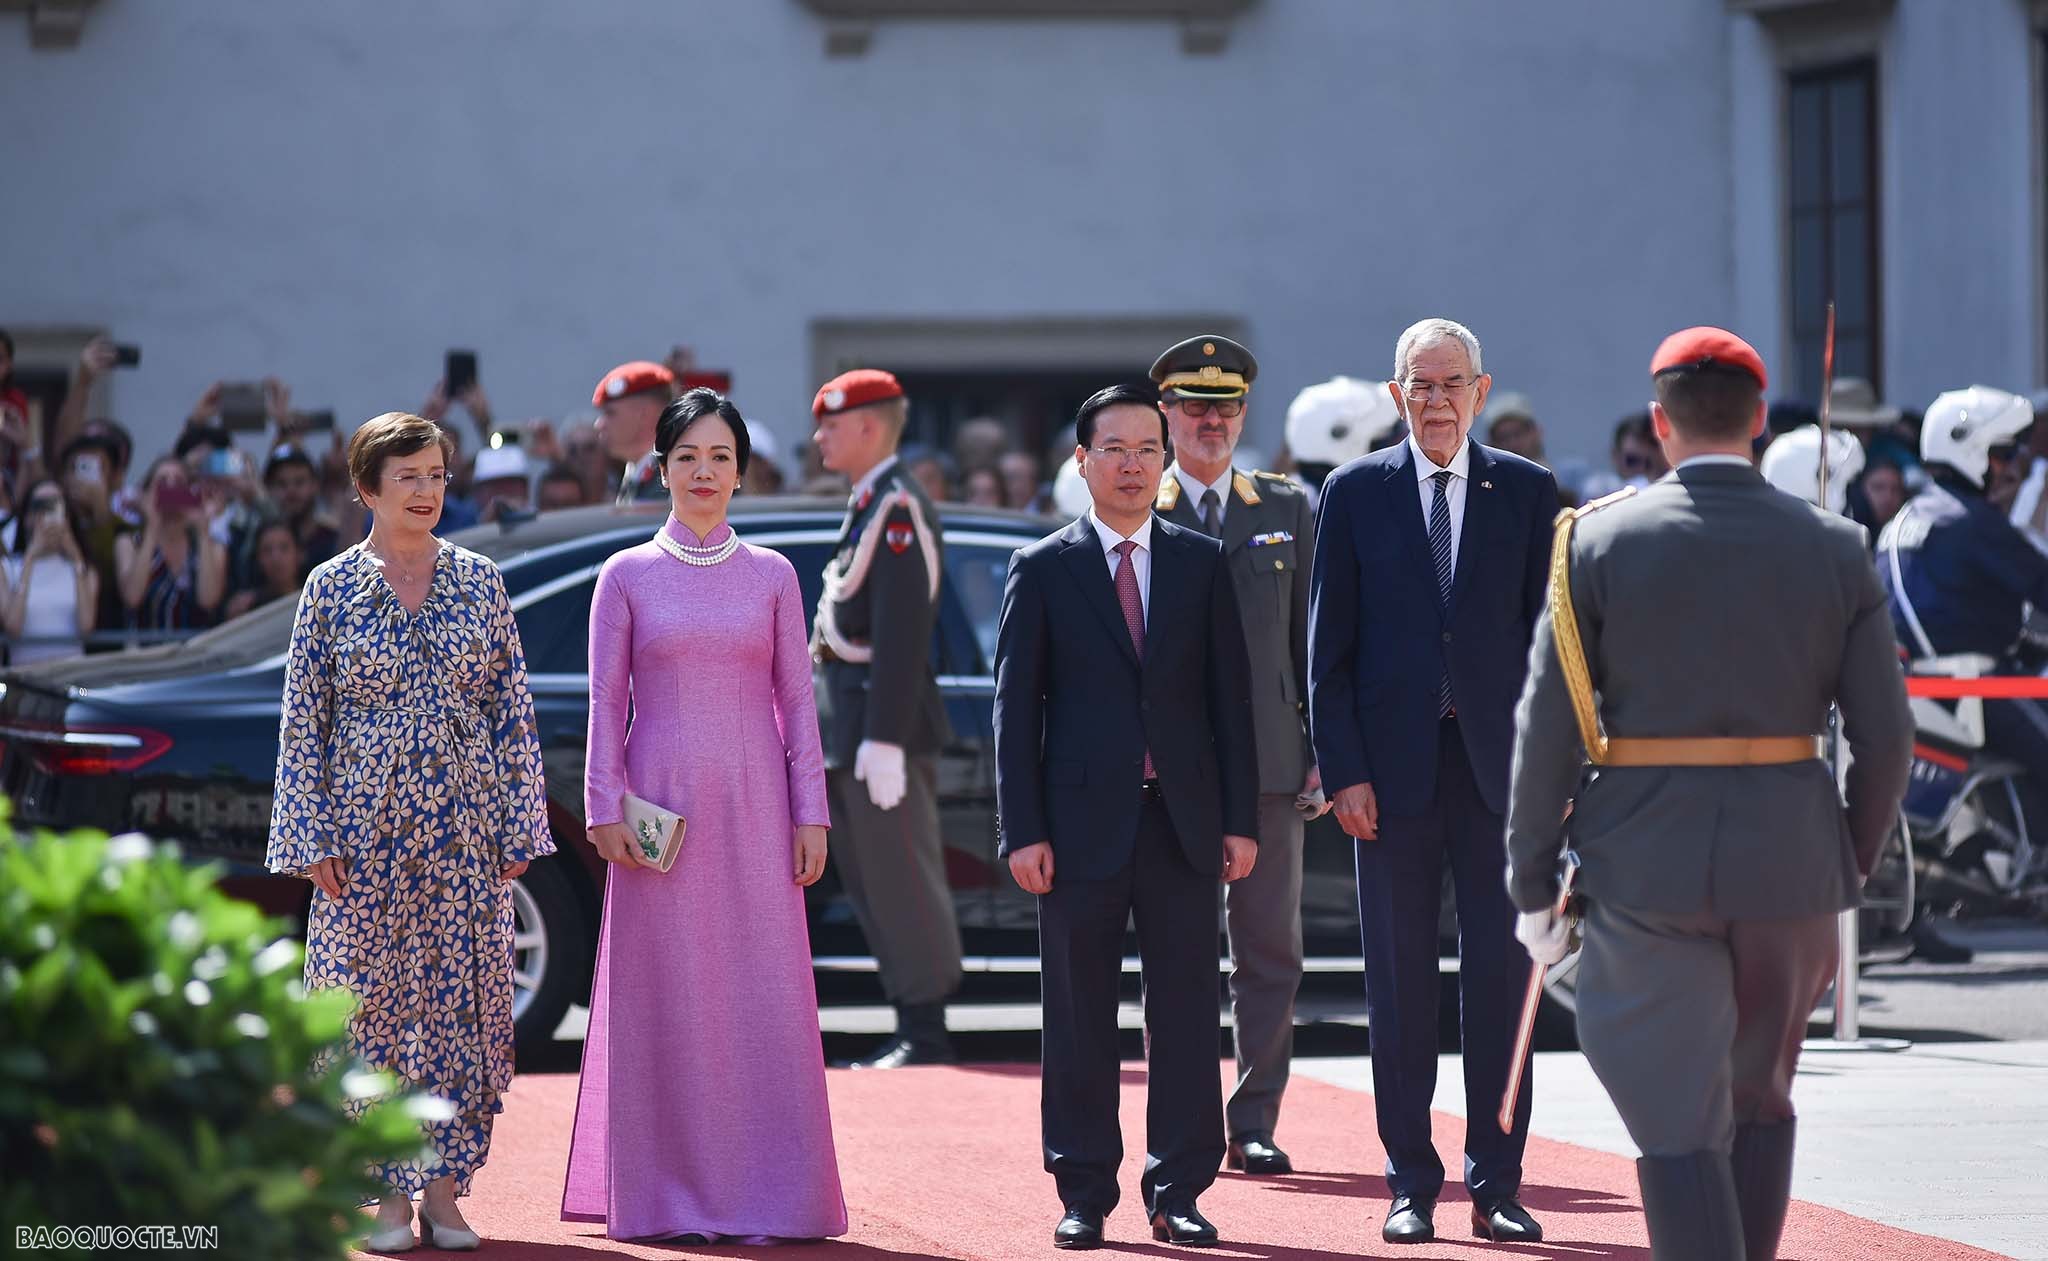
{"x":1197,"y":408}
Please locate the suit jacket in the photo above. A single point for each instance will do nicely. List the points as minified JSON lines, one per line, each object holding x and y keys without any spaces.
{"x":1380,"y":634}
{"x":1076,"y":711}
{"x":885,"y":571}
{"x":1711,"y":604}
{"x":1268,"y":540}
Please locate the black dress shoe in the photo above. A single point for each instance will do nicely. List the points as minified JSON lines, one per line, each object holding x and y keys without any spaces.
{"x":1410,"y":1220}
{"x":904,"y":1052}
{"x":1930,"y":946}
{"x":1183,"y":1226}
{"x":1080,"y":1228}
{"x":1255,"y":1153}
{"x":1505,"y":1221}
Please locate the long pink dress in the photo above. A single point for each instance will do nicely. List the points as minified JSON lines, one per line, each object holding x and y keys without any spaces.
{"x":702,"y":1105}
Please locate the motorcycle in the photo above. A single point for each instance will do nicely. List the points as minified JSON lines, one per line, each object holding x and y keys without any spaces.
{"x":1974,"y":819}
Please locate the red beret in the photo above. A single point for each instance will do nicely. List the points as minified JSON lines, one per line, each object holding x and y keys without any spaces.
{"x":636,"y":377}
{"x":854,"y":389}
{"x":1698,"y":347}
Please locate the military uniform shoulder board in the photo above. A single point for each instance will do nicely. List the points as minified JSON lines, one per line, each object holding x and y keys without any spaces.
{"x":1271,"y":477}
{"x":1169,"y":493}
{"x":1604,"y":501}
{"x":1244,"y":488}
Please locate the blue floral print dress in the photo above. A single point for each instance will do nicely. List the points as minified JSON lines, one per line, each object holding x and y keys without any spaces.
{"x":407,"y":748}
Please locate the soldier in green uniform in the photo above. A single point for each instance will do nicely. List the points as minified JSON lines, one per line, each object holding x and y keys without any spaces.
{"x":880,"y":712}
{"x":1696,"y":634}
{"x":1268,"y":535}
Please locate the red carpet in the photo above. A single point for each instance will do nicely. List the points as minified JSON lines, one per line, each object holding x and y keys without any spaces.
{"x":945,"y":1163}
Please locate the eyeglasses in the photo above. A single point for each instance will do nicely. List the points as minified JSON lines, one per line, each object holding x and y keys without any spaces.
{"x":412,"y":482}
{"x":1423,"y":391}
{"x":1144,"y":455}
{"x":1196,"y":408}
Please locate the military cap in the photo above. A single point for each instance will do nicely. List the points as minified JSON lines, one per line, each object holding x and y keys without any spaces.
{"x":854,"y":389}
{"x":637,"y":377}
{"x":1208,"y":366}
{"x":1704,"y":346}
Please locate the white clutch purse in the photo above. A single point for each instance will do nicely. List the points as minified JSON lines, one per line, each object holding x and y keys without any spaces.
{"x":658,"y":832}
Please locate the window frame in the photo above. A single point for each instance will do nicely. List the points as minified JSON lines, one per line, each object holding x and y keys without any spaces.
{"x":1802,"y":328}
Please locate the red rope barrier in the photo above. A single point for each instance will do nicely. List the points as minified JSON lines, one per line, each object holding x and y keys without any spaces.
{"x":2004,"y":687}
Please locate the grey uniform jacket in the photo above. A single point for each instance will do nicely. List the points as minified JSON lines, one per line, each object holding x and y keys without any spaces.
{"x":1268,"y":541}
{"x":872,"y":638}
{"x":1711,"y":604}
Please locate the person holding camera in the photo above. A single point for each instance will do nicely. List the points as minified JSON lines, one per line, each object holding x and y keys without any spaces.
{"x":173,"y":574}
{"x":89,"y":467}
{"x":50,"y":598}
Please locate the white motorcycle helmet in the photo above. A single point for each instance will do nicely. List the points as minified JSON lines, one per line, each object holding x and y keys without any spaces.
{"x":1070,"y":497}
{"x":1792,"y":464}
{"x":1335,"y":422}
{"x":1962,"y":426}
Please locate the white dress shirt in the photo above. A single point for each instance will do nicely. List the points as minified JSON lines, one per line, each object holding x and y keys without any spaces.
{"x":1719,"y":457}
{"x":1141,"y":557}
{"x":1454,"y":494}
{"x":1194,"y":491}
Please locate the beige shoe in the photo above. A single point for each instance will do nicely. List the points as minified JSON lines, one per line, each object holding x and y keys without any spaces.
{"x":447,"y":1238}
{"x":393,"y":1238}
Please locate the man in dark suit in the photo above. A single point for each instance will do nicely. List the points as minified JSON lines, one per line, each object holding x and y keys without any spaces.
{"x":1126,"y":785}
{"x":1429,"y":573}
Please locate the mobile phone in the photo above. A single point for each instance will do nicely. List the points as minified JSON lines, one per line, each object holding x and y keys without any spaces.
{"x":459,"y":372}
{"x":176,"y":497}
{"x":222,"y":462}
{"x":242,"y":407}
{"x":88,"y":466}
{"x":127,"y":356}
{"x":314,"y":422}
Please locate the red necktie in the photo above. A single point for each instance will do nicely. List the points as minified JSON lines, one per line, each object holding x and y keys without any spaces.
{"x":1134,"y":610}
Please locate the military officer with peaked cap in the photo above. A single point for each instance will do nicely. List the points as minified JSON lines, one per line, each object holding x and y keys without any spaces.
{"x":881,"y":714}
{"x":1268,"y":538}
{"x":1696,"y":633}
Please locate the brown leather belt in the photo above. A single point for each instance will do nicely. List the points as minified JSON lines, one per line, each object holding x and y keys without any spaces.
{"x":1711,"y":750}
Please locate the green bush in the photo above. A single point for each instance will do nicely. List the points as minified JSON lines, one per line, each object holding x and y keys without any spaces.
{"x":158,"y":1059}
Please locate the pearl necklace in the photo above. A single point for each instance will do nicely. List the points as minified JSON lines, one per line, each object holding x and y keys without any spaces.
{"x":699,"y":556}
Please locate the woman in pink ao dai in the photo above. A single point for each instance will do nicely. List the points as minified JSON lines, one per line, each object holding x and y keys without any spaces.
{"x":702,"y":1114}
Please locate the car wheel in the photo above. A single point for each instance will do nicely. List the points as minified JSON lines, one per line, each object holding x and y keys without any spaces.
{"x":550,"y":952}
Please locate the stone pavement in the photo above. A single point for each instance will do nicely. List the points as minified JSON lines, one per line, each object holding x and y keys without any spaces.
{"x":1945,"y":1139}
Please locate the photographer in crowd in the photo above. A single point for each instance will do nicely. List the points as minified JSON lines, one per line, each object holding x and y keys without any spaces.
{"x":49,"y":596}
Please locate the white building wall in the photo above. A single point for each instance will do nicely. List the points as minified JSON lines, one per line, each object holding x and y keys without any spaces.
{"x":335,"y":192}
{"x":1962,"y":249}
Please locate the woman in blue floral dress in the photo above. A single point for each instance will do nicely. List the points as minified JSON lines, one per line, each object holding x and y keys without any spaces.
{"x":409,"y":792}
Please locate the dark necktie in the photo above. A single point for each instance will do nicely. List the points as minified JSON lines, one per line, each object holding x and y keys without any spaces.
{"x":1440,"y":548}
{"x":1134,"y":610}
{"x":1212,"y":514}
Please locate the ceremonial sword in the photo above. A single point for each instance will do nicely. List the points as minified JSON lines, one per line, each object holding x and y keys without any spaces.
{"x":1532,"y":998}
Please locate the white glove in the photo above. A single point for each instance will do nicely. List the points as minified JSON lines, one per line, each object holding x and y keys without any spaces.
{"x":880,"y":767}
{"x":1545,"y":934}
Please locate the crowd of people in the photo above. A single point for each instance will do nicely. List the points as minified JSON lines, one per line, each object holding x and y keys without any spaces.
{"x":102,"y":553}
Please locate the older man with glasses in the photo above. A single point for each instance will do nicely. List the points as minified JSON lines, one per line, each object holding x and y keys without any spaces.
{"x":1430,"y":566}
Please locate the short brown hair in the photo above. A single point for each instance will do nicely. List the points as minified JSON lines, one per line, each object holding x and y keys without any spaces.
{"x":392,"y":436}
{"x":1710,"y":404}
